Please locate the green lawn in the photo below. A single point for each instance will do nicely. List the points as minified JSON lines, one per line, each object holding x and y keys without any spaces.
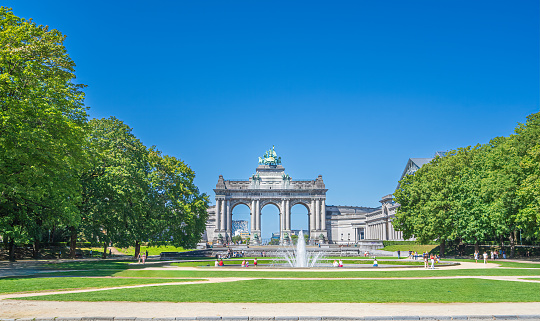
{"x":330,"y":273}
{"x":406,"y":248}
{"x":277,"y":291}
{"x":266,"y":261}
{"x":13,"y":285}
{"x":89,"y":265}
{"x":152,"y":250}
{"x":502,"y":263}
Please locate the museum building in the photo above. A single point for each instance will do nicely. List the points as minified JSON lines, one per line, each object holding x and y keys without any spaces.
{"x":327,"y":223}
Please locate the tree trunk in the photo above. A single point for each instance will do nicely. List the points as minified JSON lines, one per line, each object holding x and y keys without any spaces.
{"x":35,"y":249}
{"x":137,"y":249}
{"x":502,"y":243}
{"x":442,"y":247}
{"x":11,"y":246}
{"x":73,"y":242}
{"x":512,"y":239}
{"x":477,"y":247}
{"x":105,"y":244}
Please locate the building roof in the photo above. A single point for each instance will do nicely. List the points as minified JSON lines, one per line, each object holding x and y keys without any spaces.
{"x":414,"y":164}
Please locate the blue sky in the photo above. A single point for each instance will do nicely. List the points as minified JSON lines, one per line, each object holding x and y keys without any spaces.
{"x":345,"y":89}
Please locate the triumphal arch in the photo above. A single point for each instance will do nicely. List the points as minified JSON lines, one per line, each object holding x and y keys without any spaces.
{"x":269,"y":185}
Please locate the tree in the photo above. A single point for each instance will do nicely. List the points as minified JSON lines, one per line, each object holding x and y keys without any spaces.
{"x":115,"y":186}
{"x":526,"y":142}
{"x":42,"y":121}
{"x":179,"y":209}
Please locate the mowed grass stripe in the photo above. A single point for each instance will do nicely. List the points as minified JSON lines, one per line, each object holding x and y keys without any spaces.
{"x":346,"y":262}
{"x":253,"y":273}
{"x":313,"y":291}
{"x":16,"y":285}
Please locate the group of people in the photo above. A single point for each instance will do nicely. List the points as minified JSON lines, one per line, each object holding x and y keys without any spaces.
{"x":231,"y":253}
{"x":494,"y":255}
{"x":337,"y":263}
{"x":245,"y":263}
{"x":430,"y":258}
{"x":143,"y":257}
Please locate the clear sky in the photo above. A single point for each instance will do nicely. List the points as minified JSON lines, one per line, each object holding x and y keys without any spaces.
{"x":346,"y":89}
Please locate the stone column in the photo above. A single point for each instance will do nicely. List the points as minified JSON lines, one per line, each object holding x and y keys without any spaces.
{"x":252,"y":215}
{"x":258,"y":215}
{"x":223,"y":216}
{"x":317,"y":215}
{"x":218,"y":215}
{"x":229,"y":216}
{"x":312,"y":217}
{"x":282,"y":226}
{"x":288,"y":214}
{"x":323,"y":215}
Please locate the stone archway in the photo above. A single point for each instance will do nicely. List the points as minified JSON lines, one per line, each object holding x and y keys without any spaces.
{"x":269,"y":185}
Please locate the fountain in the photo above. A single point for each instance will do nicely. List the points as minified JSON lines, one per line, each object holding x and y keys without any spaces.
{"x":299,"y":256}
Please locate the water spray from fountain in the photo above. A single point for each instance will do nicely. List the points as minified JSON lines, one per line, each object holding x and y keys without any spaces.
{"x":299,"y":256}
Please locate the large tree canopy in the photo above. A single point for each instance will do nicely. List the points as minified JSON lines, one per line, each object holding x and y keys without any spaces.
{"x":42,"y":122}
{"x":60,"y":171}
{"x":476,"y":194}
{"x":132,"y":194}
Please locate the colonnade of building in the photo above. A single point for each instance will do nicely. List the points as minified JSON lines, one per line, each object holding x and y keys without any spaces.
{"x":383,"y":231}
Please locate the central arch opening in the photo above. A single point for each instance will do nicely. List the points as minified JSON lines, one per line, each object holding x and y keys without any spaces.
{"x":270,"y":224}
{"x":299,"y":220}
{"x":241,"y":223}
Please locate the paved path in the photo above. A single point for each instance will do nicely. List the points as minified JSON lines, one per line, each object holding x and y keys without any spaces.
{"x":20,"y":309}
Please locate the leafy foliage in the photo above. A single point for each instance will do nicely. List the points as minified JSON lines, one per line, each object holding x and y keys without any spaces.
{"x":476,"y":193}
{"x":42,"y":123}
{"x":89,"y":178}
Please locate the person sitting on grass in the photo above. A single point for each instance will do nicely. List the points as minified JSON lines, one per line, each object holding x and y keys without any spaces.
{"x":340,"y":263}
{"x":255,"y":262}
{"x":221,"y":263}
{"x":375,"y":264}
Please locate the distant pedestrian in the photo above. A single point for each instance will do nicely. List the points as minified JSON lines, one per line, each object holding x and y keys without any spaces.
{"x":255,"y":262}
{"x":398,"y":253}
{"x":485,"y":257}
{"x":476,"y":256}
{"x":432,"y":258}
